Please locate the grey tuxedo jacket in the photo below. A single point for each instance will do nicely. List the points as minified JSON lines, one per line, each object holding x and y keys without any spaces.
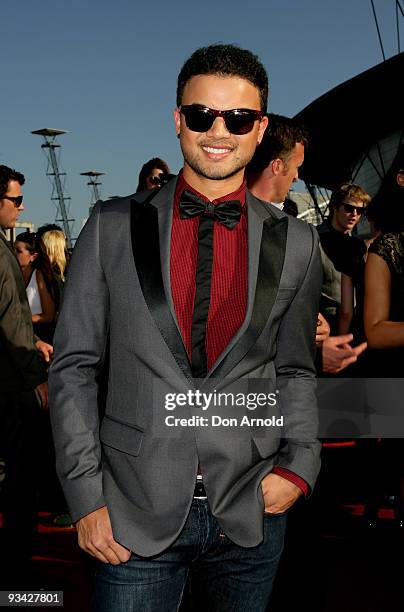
{"x":118,"y":309}
{"x":21,"y":367}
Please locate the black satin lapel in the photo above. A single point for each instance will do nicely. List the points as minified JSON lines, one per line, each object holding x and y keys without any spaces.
{"x":146,"y":252}
{"x":271,"y":260}
{"x":272,"y":257}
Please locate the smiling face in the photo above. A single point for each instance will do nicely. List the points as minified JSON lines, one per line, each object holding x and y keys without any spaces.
{"x":218,"y":155}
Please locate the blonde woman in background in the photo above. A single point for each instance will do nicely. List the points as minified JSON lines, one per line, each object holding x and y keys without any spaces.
{"x":54,"y":241}
{"x":55,"y":244}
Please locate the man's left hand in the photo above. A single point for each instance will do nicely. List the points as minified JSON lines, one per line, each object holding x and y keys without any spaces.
{"x":279,"y":493}
{"x":45,"y":349}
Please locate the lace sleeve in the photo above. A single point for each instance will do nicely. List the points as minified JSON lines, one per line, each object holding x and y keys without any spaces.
{"x":390,"y":248}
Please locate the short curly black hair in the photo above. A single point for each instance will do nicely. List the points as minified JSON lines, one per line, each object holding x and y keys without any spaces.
{"x":6,"y":175}
{"x":227,"y":60}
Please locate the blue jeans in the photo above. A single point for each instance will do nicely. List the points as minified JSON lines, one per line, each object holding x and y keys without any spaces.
{"x":223,"y":576}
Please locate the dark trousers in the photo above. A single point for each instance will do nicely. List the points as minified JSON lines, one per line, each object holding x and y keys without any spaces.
{"x":223,"y":577}
{"x":19,"y":412}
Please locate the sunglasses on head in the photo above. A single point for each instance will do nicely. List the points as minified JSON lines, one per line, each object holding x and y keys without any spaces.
{"x":238,"y":121}
{"x":17,"y":200}
{"x":350,"y":208}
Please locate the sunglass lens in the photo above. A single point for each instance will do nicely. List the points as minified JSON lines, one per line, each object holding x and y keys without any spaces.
{"x":349,"y":208}
{"x":198,"y":119}
{"x":240,"y":123}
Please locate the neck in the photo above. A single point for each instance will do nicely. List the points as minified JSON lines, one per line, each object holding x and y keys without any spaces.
{"x":26,"y":273}
{"x":261,"y":187}
{"x":210,"y":188}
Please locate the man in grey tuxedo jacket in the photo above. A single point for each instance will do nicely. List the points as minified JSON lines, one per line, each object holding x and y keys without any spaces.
{"x":197,"y":287}
{"x":270,"y":175}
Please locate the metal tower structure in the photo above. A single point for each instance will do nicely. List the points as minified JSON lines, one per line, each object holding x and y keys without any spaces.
{"x":399,"y":11}
{"x":49,"y":146}
{"x":95,"y":183}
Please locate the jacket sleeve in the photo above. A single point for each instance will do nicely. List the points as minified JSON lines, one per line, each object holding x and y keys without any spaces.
{"x":16,"y":333}
{"x":294,"y":363}
{"x":79,"y":350}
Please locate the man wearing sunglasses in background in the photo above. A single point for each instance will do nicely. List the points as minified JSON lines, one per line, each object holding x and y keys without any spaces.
{"x":202,"y":286}
{"x":342,"y":252}
{"x":22,"y":372}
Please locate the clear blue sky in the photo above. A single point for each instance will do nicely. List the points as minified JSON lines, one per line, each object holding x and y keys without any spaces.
{"x":106,"y":72}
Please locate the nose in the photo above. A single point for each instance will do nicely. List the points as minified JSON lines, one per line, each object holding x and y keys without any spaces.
{"x":218,"y":129}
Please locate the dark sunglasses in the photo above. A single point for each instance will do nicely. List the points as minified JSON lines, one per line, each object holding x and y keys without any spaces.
{"x":17,"y":200}
{"x":349,"y":208}
{"x":238,"y":121}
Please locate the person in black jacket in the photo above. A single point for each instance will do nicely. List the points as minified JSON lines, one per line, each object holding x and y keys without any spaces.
{"x":22,"y":383}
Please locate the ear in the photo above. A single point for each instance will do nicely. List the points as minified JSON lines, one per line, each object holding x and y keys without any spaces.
{"x":177,"y":121}
{"x":262,"y":127}
{"x":277,"y":166}
{"x":33,"y":257}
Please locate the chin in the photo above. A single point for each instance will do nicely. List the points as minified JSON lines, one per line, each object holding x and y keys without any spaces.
{"x":219,"y":174}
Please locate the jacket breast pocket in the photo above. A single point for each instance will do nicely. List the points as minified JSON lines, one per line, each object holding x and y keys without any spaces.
{"x":121,"y":436}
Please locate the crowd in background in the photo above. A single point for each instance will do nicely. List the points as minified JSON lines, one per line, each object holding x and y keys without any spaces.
{"x":361,"y":318}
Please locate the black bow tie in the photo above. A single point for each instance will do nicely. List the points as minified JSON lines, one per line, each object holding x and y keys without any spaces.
{"x":228,"y":213}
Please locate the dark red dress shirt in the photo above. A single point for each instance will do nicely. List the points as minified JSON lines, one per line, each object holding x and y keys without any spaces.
{"x":228,"y":298}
